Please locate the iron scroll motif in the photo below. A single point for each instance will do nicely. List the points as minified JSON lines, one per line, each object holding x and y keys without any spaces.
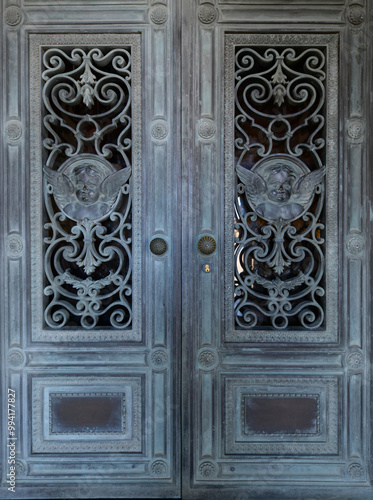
{"x":87,"y":188}
{"x":279,"y":145}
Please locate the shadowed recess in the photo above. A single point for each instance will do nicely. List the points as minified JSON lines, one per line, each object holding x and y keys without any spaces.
{"x":86,"y":414}
{"x":280,"y":415}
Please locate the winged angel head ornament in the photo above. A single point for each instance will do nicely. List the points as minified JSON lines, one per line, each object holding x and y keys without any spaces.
{"x":280,"y":188}
{"x":86,"y":187}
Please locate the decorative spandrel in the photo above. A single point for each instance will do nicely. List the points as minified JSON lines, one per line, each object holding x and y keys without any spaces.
{"x":281,"y":160}
{"x":87,"y":165}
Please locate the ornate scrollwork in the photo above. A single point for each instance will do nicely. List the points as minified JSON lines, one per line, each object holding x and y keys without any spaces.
{"x":279,"y":156}
{"x":88,"y":145}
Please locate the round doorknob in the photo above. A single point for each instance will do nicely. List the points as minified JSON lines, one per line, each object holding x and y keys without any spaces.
{"x":207,"y":245}
{"x":158,"y":246}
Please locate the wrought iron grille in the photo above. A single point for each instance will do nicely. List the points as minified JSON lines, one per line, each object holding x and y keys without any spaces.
{"x":87,"y":158}
{"x":280,"y":162}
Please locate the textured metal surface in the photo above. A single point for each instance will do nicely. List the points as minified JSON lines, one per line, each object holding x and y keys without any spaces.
{"x":323,"y":451}
{"x":234,"y":455}
{"x":88,"y":157}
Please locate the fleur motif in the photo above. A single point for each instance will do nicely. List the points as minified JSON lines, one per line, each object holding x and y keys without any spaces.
{"x":88,"y":82}
{"x":279,"y":80}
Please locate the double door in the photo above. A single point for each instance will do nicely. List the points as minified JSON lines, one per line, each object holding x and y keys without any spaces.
{"x":185,"y":257}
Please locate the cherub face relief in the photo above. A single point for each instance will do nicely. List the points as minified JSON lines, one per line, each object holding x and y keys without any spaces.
{"x":280,"y":185}
{"x":87,"y":181}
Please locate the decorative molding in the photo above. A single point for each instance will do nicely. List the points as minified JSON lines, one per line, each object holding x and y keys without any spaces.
{"x":326,"y":388}
{"x":158,"y":359}
{"x":159,"y":468}
{"x":20,"y":468}
{"x":207,"y":359}
{"x":159,"y":131}
{"x":94,"y":42}
{"x":13,"y":16}
{"x":60,"y":395}
{"x":206,"y":129}
{"x":158,"y":246}
{"x":356,"y":471}
{"x":207,"y":14}
{"x":206,"y":245}
{"x":14,"y":245}
{"x":208,"y":469}
{"x":16,"y":358}
{"x":283,"y":435}
{"x":328,"y":330}
{"x":130,"y":441}
{"x":356,"y":14}
{"x":158,"y":14}
{"x":355,"y":360}
{"x":355,"y":244}
{"x":355,"y":129}
{"x":13,"y":130}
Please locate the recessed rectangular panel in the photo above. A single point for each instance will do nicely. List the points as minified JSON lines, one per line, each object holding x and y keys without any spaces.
{"x":86,"y":413}
{"x":271,"y":415}
{"x":280,"y":414}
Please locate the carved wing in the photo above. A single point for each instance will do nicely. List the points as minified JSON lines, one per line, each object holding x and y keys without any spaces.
{"x":112,"y":184}
{"x":305,"y":187}
{"x":63,"y":188}
{"x":255,"y":184}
